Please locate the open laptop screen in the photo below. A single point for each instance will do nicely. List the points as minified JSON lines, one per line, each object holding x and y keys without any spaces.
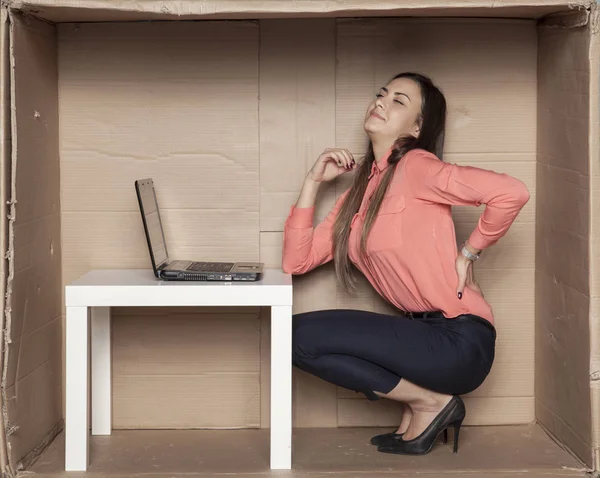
{"x":152,"y":222}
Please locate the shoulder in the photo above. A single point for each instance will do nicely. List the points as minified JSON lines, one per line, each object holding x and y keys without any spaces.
{"x":421,"y":163}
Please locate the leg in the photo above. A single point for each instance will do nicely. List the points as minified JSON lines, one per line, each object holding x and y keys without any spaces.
{"x":371,"y":352}
{"x":101,"y":371}
{"x":425,"y":405}
{"x":406,"y":418}
{"x":380,"y":355}
{"x":76,"y":426}
{"x":357,"y":350}
{"x":281,"y":387}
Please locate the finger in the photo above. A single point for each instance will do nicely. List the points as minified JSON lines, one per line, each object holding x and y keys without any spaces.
{"x":462,"y":279}
{"x":344,"y":155}
{"x":349,"y":157}
{"x":343,"y":160}
{"x":333,"y":156}
{"x":339,"y":159}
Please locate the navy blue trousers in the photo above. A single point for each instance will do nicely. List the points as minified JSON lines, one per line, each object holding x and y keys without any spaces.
{"x":369,"y":352}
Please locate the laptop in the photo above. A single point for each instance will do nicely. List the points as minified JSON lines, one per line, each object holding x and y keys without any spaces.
{"x":183,"y":270}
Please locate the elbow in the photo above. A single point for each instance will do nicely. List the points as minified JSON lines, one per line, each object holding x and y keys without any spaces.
{"x":514,"y":193}
{"x":521,"y":193}
{"x":291,"y":266}
{"x":287,"y":267}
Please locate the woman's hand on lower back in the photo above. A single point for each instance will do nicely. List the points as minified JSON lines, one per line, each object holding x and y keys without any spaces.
{"x":466,"y":278}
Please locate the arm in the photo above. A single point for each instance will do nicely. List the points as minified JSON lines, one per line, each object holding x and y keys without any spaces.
{"x":435,"y":181}
{"x":305,"y":248}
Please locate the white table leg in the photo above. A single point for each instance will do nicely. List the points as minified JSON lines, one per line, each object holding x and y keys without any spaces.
{"x":281,"y":387}
{"x":101,"y":371}
{"x":76,"y":425}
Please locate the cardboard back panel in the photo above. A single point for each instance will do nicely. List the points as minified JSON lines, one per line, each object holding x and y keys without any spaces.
{"x":562,"y":381}
{"x":297,"y":123}
{"x":33,"y":322}
{"x":176,"y":102}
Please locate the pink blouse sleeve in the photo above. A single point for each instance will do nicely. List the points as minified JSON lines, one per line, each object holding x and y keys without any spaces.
{"x":305,"y":247}
{"x":435,"y":181}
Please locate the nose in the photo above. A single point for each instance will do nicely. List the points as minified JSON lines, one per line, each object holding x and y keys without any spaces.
{"x":379,"y":102}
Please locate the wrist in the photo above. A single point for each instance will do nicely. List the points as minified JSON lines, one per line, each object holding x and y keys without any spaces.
{"x":471,"y":249}
{"x":469,"y":252}
{"x":310,"y":179}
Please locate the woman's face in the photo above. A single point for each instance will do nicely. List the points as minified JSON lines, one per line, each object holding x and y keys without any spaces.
{"x":395,"y":111}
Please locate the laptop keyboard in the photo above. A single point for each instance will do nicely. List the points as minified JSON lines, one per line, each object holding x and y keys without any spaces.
{"x":211,"y":266}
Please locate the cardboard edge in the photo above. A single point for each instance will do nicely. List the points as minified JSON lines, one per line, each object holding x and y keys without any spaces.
{"x":5,"y":163}
{"x":573,"y":19}
{"x":548,"y":416}
{"x":28,"y":460}
{"x":594,"y":142}
{"x":8,"y":219}
{"x":105,"y":10}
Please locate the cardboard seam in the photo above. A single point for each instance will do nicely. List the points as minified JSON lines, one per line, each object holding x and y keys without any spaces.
{"x":567,"y":425}
{"x":9,"y":5}
{"x":559,"y":442}
{"x":28,"y":460}
{"x":576,"y":18}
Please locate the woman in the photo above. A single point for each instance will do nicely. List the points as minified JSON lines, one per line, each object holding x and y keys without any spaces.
{"x":394,"y":225}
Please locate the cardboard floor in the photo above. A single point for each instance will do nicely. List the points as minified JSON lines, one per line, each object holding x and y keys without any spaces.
{"x":500,"y":451}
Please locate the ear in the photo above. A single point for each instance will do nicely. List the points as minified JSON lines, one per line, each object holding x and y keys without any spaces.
{"x":416,"y":130}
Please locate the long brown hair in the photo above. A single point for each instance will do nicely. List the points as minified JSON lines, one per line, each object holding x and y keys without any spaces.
{"x":431,"y":138}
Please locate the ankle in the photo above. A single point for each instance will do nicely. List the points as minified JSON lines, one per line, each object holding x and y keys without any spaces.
{"x":433,"y":402}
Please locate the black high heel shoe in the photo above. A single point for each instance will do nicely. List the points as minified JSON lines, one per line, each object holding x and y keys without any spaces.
{"x":391,"y":438}
{"x":452,"y":414}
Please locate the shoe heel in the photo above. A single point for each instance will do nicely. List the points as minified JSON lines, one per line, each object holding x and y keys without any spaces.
{"x":445,"y":436}
{"x":457,"y":426}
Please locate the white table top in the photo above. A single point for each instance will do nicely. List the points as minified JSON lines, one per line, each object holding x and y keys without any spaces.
{"x":139,"y":287}
{"x":145,"y":277}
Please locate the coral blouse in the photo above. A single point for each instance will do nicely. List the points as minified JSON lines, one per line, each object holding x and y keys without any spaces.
{"x":411,"y":249}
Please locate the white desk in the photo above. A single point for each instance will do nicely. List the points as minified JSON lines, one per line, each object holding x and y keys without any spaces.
{"x":97,"y":291}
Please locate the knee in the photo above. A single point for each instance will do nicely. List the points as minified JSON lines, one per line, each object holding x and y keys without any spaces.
{"x":303,"y":343}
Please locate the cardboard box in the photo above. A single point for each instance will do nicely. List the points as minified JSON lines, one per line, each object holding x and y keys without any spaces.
{"x":227,"y":117}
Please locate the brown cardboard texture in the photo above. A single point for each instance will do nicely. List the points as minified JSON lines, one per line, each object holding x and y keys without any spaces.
{"x":228,"y":117}
{"x":31,"y":377}
{"x":594,"y":141}
{"x":519,"y":451}
{"x":108,"y":10}
{"x":5,"y":162}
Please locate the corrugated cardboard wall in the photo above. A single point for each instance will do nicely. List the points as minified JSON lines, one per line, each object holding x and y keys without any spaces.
{"x":159,"y":100}
{"x":179,"y":103}
{"x":34,"y":373}
{"x":594,"y":133}
{"x":562,"y":238}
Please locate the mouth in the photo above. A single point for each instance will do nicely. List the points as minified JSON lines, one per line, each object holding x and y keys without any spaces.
{"x":376,"y":115}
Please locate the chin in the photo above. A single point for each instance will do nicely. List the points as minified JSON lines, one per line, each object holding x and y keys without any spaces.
{"x":373,"y":130}
{"x":369,"y":127}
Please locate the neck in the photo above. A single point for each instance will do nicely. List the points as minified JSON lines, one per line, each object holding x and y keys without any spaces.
{"x":380,"y":148}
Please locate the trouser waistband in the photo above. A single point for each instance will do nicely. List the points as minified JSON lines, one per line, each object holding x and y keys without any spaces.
{"x":439,"y":315}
